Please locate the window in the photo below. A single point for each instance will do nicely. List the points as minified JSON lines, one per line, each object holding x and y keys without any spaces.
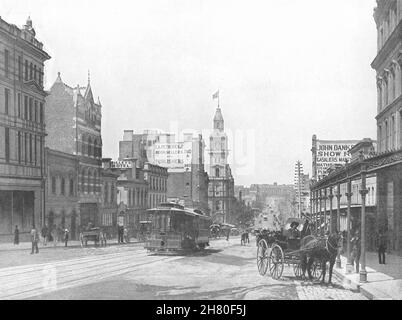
{"x":89,"y":146}
{"x":25,"y":107}
{"x":63,"y":186}
{"x":40,"y":77}
{"x":26,"y":148}
{"x":19,"y":68}
{"x":35,"y":73}
{"x":54,"y":185}
{"x":30,"y":109}
{"x":41,"y":113}
{"x":30,"y":148}
{"x":217,"y":172}
{"x":36,"y":111}
{"x":71,"y":187}
{"x":19,"y":105}
{"x":30,"y":71}
{"x":26,"y":70}
{"x":6,"y":62}
{"x":106,"y":193}
{"x":19,"y":147}
{"x":7,"y":144}
{"x":6,"y":99}
{"x":35,"y":151}
{"x":112,"y":193}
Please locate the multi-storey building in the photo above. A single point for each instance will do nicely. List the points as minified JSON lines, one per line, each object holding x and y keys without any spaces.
{"x":184,"y":161}
{"x":388,"y":67}
{"x":74,"y":126}
{"x":22,"y":129}
{"x":132,"y":192}
{"x":61,"y":202}
{"x":221,"y":182}
{"x":156,"y":177}
{"x":109,"y":205}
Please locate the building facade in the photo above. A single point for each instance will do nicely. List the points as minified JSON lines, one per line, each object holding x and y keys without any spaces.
{"x":221,"y":181}
{"x":132,"y":193}
{"x":388,"y":64}
{"x":61,"y":203}
{"x":156,"y":177}
{"x":74,"y":127}
{"x":109,"y":205}
{"x":22,"y":129}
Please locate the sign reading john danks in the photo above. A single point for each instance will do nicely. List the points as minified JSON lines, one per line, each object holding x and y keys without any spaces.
{"x":330,"y":153}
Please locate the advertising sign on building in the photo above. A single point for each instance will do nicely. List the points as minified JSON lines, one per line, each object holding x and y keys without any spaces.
{"x":330,"y":154}
{"x":173,"y":155}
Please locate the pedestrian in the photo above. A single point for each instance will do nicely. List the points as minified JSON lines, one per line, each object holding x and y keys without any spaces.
{"x":66,"y":234}
{"x":356,"y":250}
{"x":54,"y":235}
{"x":34,"y":240}
{"x":382,"y":247}
{"x":227,"y":235}
{"x":44,"y":234}
{"x":16,"y":236}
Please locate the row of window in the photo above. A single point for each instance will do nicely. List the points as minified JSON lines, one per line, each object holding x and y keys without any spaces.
{"x":158,"y":184}
{"x":25,"y":71}
{"x":91,"y":147}
{"x":389,"y":86}
{"x":29,"y":147}
{"x":388,"y":133}
{"x":156,"y":199}
{"x":137,"y":198}
{"x":387,"y":26}
{"x":109,"y":199}
{"x":31,"y":109}
{"x":62,"y":190}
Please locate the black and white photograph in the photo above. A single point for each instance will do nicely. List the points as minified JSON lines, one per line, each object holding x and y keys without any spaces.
{"x":213,"y":151}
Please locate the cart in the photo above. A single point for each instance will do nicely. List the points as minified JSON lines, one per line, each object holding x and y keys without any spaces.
{"x":93,"y":234}
{"x":275,"y":252}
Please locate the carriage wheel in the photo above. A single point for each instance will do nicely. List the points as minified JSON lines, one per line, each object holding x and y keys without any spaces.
{"x":316,"y":270}
{"x":297,"y":269}
{"x":276,"y":262}
{"x":262,"y":257}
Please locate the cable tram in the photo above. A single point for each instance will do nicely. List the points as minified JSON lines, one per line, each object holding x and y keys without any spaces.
{"x":176,"y":228}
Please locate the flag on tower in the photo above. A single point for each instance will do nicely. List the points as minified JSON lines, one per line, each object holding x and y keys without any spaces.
{"x":216,"y":95}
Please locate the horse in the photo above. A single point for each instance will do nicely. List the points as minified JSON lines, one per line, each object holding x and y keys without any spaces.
{"x":321,"y":249}
{"x":244,"y":238}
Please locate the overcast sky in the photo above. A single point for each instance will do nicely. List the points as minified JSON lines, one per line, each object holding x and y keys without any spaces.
{"x":285,"y":69}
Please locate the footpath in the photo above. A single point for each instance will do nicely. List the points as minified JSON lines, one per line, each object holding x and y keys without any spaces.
{"x":50,"y":245}
{"x":384,"y":282}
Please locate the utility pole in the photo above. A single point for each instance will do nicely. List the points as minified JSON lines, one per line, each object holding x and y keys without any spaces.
{"x":298,"y":180}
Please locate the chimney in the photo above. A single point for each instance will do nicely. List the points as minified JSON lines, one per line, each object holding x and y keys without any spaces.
{"x":128,"y":135}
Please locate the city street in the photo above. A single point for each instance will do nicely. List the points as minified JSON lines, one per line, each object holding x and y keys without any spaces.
{"x":225,"y":271}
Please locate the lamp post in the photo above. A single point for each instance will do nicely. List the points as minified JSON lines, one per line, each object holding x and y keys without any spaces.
{"x":331,"y":196}
{"x":363,"y":192}
{"x":319,"y":220}
{"x":349,"y":266}
{"x":338,"y":222}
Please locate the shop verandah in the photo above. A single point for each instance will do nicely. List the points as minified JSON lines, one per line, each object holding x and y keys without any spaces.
{"x":364,"y":195}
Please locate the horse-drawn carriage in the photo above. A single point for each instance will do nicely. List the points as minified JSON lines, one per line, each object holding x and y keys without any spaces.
{"x":275,"y":249}
{"x":97,"y":235}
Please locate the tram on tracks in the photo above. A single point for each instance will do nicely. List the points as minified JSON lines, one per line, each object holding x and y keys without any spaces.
{"x":176,"y":228}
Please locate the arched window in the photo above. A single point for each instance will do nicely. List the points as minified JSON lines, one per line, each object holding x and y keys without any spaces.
{"x":71,"y":187}
{"x":106,"y":193}
{"x":89,"y":146}
{"x":30,"y":71}
{"x":89,"y":181}
{"x":63,"y":186}
{"x":54,"y":185}
{"x":217,"y":172}
{"x":83,"y":179}
{"x":84,"y":144}
{"x":95,"y":151}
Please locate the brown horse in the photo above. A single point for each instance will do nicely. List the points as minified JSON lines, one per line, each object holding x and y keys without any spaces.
{"x":320,"y":249}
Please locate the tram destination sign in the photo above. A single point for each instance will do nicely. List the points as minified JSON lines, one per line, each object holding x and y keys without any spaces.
{"x":330,"y":154}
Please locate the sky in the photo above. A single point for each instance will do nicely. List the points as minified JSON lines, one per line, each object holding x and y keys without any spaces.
{"x":285,"y":70}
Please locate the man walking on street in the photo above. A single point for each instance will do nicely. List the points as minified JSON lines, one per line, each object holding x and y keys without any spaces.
{"x":382,"y":247}
{"x":16,"y":236}
{"x":66,"y":233}
{"x":35,"y":240}
{"x":356,"y":250}
{"x":44,"y":235}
